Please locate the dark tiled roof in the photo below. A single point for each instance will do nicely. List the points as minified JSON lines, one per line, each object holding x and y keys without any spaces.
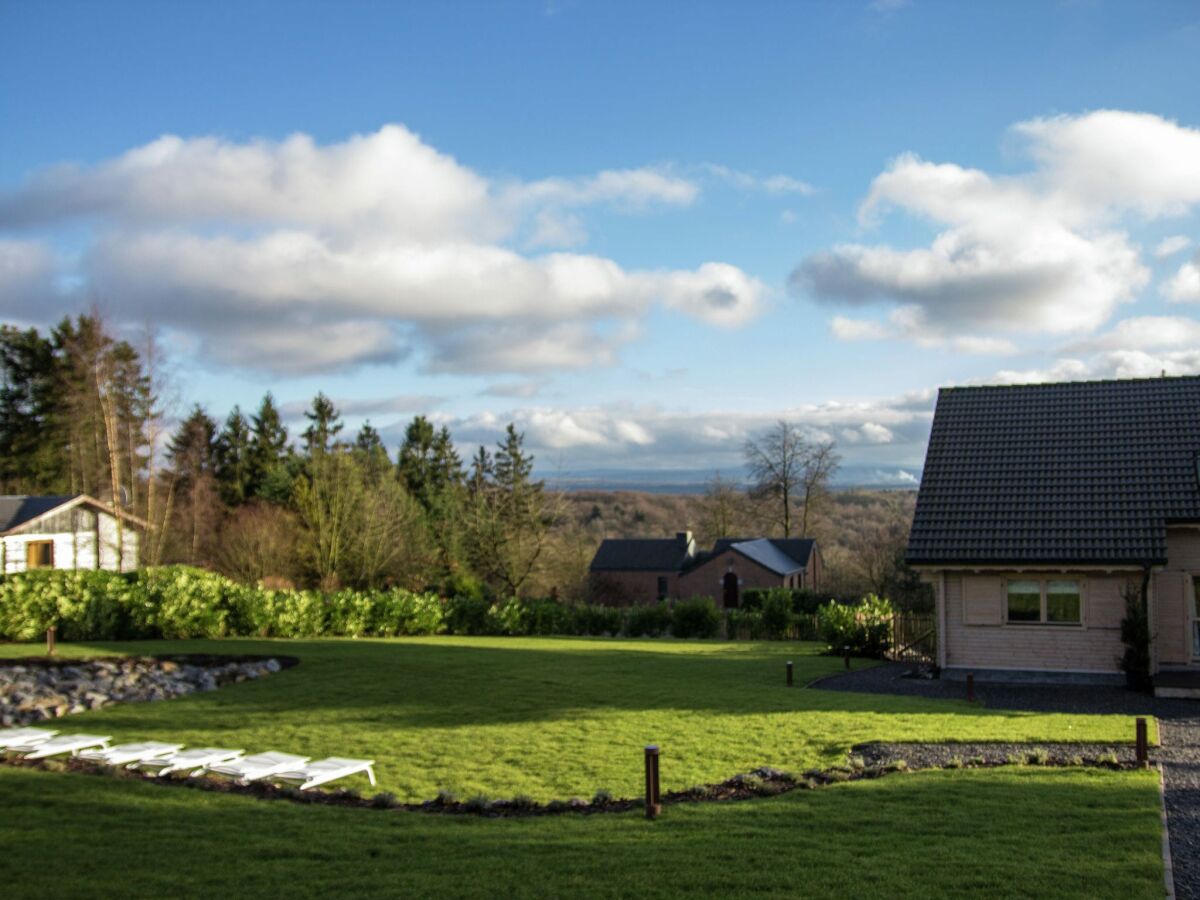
{"x":798,"y":550}
{"x":16,"y":510}
{"x":640,"y":554}
{"x":1080,"y":472}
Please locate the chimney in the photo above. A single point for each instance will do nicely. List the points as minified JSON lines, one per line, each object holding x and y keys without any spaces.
{"x":685,"y":540}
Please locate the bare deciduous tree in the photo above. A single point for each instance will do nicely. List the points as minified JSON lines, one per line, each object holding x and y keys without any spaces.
{"x":786,"y":469}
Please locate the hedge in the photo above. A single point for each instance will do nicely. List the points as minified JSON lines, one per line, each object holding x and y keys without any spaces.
{"x":183,"y":602}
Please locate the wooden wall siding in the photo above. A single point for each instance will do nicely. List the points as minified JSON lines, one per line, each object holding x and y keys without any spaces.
{"x":1171,"y":637}
{"x":76,"y":550}
{"x":707,"y":580}
{"x":1183,"y":549}
{"x":977,"y":638}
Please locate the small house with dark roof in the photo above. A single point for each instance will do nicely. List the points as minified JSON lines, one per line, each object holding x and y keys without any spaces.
{"x":69,"y":531}
{"x":1043,"y":507}
{"x":644,"y":570}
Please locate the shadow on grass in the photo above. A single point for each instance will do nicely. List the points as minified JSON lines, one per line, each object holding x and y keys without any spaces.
{"x":454,"y":683}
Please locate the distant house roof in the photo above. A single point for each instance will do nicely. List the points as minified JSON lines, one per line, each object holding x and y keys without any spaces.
{"x":1079,"y":473}
{"x":16,"y":511}
{"x":640,"y":554}
{"x":783,"y":556}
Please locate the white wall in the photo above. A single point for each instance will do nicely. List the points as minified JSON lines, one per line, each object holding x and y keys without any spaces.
{"x":75,"y":551}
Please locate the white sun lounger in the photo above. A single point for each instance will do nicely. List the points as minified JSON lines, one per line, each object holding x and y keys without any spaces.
{"x":10,"y":737}
{"x":325,"y":770}
{"x":64,"y":743}
{"x":259,"y":766}
{"x":124,"y":754}
{"x":193,"y":761}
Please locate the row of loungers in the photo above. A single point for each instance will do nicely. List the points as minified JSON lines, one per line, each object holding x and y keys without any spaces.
{"x":163,"y":759}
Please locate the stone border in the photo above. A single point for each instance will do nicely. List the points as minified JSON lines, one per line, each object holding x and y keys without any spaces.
{"x":1168,"y":868}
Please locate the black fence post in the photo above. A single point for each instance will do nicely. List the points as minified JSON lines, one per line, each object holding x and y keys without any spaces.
{"x":653,"y":798}
{"x":1143,"y":744}
{"x":970,"y":687}
{"x":789,"y":673}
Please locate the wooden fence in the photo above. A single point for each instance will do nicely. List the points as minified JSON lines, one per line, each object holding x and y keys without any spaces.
{"x":913,"y":639}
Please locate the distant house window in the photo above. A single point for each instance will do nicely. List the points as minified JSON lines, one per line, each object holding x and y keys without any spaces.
{"x":1045,"y":602}
{"x":662,"y":587}
{"x":39,"y":555}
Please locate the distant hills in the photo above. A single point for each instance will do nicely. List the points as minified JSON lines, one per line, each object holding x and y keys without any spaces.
{"x":694,"y":481}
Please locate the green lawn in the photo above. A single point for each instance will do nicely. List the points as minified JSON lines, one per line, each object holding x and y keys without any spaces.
{"x":998,"y":833}
{"x":552,"y":718}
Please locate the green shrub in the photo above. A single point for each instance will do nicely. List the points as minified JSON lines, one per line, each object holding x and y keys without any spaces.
{"x":594,"y":619}
{"x":695,"y":618}
{"x":777,"y":615}
{"x":744,"y":624}
{"x":648,"y":621}
{"x":399,"y":612}
{"x":468,"y":615}
{"x":864,"y":628}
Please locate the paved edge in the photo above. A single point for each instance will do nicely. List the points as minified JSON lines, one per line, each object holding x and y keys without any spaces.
{"x":1168,"y":873}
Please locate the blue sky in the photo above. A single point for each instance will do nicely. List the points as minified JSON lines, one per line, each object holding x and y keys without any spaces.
{"x":642,"y":231}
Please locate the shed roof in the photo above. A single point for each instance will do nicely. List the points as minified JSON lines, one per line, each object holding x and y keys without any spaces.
{"x":17,"y":509}
{"x":1070,"y":473}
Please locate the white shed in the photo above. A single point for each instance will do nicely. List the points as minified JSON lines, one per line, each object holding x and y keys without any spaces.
{"x":72,"y":531}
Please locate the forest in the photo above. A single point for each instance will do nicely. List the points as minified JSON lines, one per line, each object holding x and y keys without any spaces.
{"x":85,"y":411}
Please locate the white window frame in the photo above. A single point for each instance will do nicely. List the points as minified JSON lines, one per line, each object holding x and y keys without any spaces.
{"x":1042,"y":621}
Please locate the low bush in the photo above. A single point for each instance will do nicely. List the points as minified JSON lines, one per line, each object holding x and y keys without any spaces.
{"x":648,"y":621}
{"x":777,"y":614}
{"x":695,"y":618}
{"x":864,"y":628}
{"x":803,"y":601}
{"x":469,"y":615}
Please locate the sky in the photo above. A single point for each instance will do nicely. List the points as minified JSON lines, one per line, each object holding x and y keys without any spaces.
{"x":643,"y":232}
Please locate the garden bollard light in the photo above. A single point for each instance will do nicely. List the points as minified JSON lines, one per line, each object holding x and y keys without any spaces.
{"x":1143,"y":748}
{"x":50,"y":641}
{"x":970,"y":687}
{"x":789,"y":673}
{"x":846,"y":656}
{"x":653,"y":799}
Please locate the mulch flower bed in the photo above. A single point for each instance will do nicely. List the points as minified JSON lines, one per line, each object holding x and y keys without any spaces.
{"x":865,"y":762}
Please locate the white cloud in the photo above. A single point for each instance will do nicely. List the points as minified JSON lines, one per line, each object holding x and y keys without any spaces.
{"x":1043,"y":252}
{"x":1184,"y":285}
{"x":888,"y":431}
{"x":1143,"y":333}
{"x":297,"y":257}
{"x":27,"y":290}
{"x":626,"y":188}
{"x":1169,"y":246}
{"x":909,"y":323}
{"x":748,"y":181}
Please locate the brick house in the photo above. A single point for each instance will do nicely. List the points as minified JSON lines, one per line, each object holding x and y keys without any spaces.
{"x":645,"y":570}
{"x":1042,"y":507}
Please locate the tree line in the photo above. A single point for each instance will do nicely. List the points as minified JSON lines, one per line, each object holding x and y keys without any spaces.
{"x":81,"y":412}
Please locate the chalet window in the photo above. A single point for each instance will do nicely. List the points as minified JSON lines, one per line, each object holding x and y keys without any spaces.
{"x":1045,"y":602}
{"x":662,"y":587}
{"x":1063,"y":606}
{"x":1024,"y":601}
{"x":39,"y":555}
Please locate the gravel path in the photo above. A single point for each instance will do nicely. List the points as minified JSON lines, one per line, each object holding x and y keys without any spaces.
{"x":1179,"y":753}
